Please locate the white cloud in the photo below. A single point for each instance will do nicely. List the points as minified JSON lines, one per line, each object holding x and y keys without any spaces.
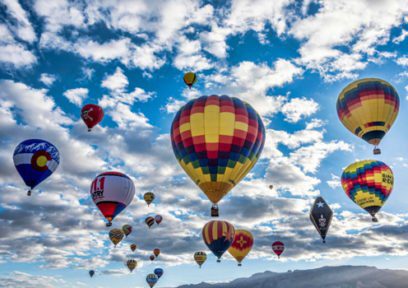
{"x":403,"y":61}
{"x":76,"y":96}
{"x":22,"y":26}
{"x":47,"y":79}
{"x":334,"y":182}
{"x":298,"y":108}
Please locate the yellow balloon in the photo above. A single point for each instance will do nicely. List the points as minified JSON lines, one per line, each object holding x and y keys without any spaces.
{"x":131,"y":264}
{"x":242,"y":245}
{"x":368,"y":108}
{"x":200,"y":257}
{"x":190,"y":78}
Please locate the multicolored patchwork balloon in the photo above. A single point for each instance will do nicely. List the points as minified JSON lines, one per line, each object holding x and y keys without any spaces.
{"x":217,"y":140}
{"x":368,"y":183}
{"x":112,"y":192}
{"x":158,"y":218}
{"x":242,"y":245}
{"x":148,"y":197}
{"x":116,"y":235}
{"x":149,"y":221}
{"x":218,"y":236}
{"x":131,"y":264}
{"x":368,"y":108}
{"x":35,"y":161}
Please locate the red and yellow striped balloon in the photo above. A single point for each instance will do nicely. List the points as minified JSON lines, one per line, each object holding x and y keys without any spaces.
{"x":217,"y":140}
{"x":218,"y":236}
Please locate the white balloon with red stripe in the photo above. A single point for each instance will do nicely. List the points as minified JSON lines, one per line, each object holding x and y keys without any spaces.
{"x":112,"y":192}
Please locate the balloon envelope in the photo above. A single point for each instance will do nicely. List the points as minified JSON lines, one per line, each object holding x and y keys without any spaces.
{"x":321,"y":216}
{"x":158,"y":219}
{"x":148,"y":197}
{"x":368,"y":183}
{"x":149,"y":221}
{"x":151,"y":279}
{"x":278,"y":247}
{"x":217,"y":140}
{"x":116,"y":235}
{"x":133,"y":247}
{"x":127,"y":229}
{"x":200,"y":257}
{"x":91,"y":273}
{"x":35,"y":160}
{"x":156,"y":252}
{"x":218,"y":236}
{"x":368,"y":108}
{"x":131,"y":264}
{"x":190,"y":78}
{"x":112,"y":192}
{"x":159,"y":272}
{"x":91,"y":114}
{"x":242,"y":245}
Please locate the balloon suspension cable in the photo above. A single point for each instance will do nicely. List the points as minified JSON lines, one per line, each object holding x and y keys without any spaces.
{"x":29,"y":192}
{"x":376,"y":151}
{"x":374,"y":219}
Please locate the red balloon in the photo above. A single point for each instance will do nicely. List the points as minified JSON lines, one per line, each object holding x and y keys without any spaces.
{"x":91,"y":114}
{"x":278,"y":247}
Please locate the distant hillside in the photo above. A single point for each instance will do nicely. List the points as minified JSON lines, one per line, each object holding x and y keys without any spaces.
{"x":327,"y":277}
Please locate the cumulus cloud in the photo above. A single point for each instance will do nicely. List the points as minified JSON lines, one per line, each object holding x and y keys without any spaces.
{"x":77,"y":95}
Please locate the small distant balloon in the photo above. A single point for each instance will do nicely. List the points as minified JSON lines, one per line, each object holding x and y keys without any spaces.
{"x":91,"y":114}
{"x":116,"y":235}
{"x":156,"y":252}
{"x":149,"y":221}
{"x":148,"y":197}
{"x":152,"y":279}
{"x":271,"y":187}
{"x":131,"y":264}
{"x":91,"y":273}
{"x":35,"y":160}
{"x":158,"y":219}
{"x":159,"y":272}
{"x":242,"y":245}
{"x":278,"y":247}
{"x":133,"y":247}
{"x":200,"y":257}
{"x":127,"y":229}
{"x":190,"y":78}
{"x":218,"y":236}
{"x":151,"y":257}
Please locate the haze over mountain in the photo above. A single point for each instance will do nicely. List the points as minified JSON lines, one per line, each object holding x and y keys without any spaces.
{"x":328,"y":277}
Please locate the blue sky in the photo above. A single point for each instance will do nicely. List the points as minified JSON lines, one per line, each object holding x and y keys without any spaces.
{"x":289,"y":59}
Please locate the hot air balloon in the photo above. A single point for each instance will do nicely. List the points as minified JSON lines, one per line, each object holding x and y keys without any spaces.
{"x":200,"y":257}
{"x":190,"y":78}
{"x":156,"y":252}
{"x":242,"y":245}
{"x":116,"y":235}
{"x":91,"y":273}
{"x":159,"y":272}
{"x":131,"y":264}
{"x":158,"y":219}
{"x":278,"y":247}
{"x":218,"y":236}
{"x":112,"y":192}
{"x":91,"y":114}
{"x":368,"y":183}
{"x":127,"y":229}
{"x":149,"y":221}
{"x":271,"y":187}
{"x":217,"y":140}
{"x":151,"y":257}
{"x":133,"y":247}
{"x":35,"y":161}
{"x":148,"y":197}
{"x":321,"y":216}
{"x":368,"y":108}
{"x":152,"y":279}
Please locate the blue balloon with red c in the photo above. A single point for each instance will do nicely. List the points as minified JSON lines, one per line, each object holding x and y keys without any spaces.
{"x":35,"y":161}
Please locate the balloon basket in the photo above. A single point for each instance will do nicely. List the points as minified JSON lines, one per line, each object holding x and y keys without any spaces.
{"x":89,"y":129}
{"x":29,"y":192}
{"x":218,"y":261}
{"x":109,"y":224}
{"x":239,"y":264}
{"x":377,"y":151}
{"x":215,"y":211}
{"x":374,"y":219}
